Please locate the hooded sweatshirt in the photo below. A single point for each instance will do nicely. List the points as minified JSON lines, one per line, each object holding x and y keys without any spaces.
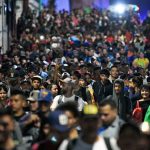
{"x":123,"y":103}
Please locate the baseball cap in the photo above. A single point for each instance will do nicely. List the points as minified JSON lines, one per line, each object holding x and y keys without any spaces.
{"x":65,"y":75}
{"x":37,"y":78}
{"x":58,"y":120}
{"x":33,"y":95}
{"x":44,"y":75}
{"x":90,"y":111}
{"x":25,"y":81}
{"x":53,"y":64}
{"x":45,"y":95}
{"x":68,"y":81}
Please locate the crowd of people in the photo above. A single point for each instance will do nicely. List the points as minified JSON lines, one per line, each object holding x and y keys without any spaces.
{"x":76,"y":80}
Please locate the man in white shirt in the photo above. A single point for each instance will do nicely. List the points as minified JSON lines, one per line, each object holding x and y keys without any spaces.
{"x":68,"y":86}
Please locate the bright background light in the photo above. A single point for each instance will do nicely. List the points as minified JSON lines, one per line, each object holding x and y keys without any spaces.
{"x":120,"y":8}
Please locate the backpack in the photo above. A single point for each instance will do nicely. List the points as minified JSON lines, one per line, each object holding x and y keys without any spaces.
{"x":60,"y":100}
{"x":107,"y":142}
{"x":73,"y":142}
{"x":137,"y":113}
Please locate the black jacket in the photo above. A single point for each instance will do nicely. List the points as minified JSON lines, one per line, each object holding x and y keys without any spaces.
{"x":101,"y":90}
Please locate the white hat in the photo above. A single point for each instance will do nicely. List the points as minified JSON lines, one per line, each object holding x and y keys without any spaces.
{"x":33,"y":95}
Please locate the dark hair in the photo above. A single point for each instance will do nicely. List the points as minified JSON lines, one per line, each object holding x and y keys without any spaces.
{"x":69,"y":106}
{"x":129,"y":129}
{"x":83,"y":65}
{"x":51,"y":85}
{"x":4,"y":87}
{"x":108,"y":101}
{"x":123,"y":76}
{"x":105,"y":72}
{"x":146,"y":87}
{"x":18,"y":92}
{"x":1,"y":71}
{"x":138,"y":81}
{"x":77,"y":74}
{"x":45,"y":84}
{"x":97,"y":69}
{"x":5,"y":112}
{"x":120,"y":82}
{"x":87,"y":73}
{"x":114,"y":66}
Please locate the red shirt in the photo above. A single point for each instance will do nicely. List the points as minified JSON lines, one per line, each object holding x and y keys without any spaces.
{"x":110,"y":39}
{"x":128,"y":36}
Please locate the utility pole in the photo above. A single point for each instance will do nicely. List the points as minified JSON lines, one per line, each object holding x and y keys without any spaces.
{"x":13,"y":6}
{"x":52,"y":5}
{"x":25,"y":5}
{"x":2,"y":26}
{"x":8,"y":22}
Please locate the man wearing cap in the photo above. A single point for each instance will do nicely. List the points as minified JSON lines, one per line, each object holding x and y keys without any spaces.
{"x":59,"y":131}
{"x":45,"y":100}
{"x":25,"y":86}
{"x":89,"y":139}
{"x":36,"y":82}
{"x":68,"y":94}
{"x":70,"y":109}
{"x":33,"y":101}
{"x":26,"y":120}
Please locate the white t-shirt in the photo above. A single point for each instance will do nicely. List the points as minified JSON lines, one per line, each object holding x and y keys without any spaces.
{"x":64,"y":99}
